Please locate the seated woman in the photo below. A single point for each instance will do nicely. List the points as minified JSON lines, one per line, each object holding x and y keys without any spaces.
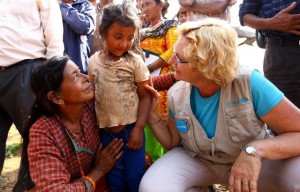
{"x":62,"y":140}
{"x":216,"y":132}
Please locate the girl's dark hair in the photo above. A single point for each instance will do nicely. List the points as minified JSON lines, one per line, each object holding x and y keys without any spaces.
{"x":45,"y":78}
{"x":124,"y":14}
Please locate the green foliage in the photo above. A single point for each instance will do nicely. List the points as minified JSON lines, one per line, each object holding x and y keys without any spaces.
{"x":11,"y":149}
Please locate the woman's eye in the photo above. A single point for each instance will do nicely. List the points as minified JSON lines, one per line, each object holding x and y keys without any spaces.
{"x":76,"y":76}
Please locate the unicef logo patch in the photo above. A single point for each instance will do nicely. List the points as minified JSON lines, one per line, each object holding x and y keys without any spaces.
{"x":181,"y":126}
{"x":244,"y":100}
{"x":236,"y":102}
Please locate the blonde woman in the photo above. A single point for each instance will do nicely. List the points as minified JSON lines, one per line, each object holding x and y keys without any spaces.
{"x":216,"y":131}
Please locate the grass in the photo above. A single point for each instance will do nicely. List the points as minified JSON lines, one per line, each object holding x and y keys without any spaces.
{"x":11,"y":149}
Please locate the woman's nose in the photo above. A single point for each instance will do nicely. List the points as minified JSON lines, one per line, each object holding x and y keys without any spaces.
{"x":172,"y":60}
{"x":84,"y":77}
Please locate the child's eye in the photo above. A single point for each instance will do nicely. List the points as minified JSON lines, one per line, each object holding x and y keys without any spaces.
{"x":118,"y":37}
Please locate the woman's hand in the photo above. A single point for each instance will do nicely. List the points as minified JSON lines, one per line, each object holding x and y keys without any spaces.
{"x":244,"y":173}
{"x":107,"y":157}
{"x":155,"y":97}
{"x":154,"y":94}
{"x":152,"y":116}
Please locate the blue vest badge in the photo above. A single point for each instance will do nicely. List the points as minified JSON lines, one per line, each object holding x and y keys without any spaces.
{"x":181,"y":126}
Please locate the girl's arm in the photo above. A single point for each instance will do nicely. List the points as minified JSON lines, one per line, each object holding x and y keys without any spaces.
{"x":144,"y":104}
{"x":136,"y":136}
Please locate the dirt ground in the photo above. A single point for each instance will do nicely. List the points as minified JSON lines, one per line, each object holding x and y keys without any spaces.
{"x":11,"y":165}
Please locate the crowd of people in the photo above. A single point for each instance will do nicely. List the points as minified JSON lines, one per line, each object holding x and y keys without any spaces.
{"x":114,"y":96}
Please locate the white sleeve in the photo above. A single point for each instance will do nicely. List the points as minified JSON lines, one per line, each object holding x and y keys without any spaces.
{"x":52,"y":26}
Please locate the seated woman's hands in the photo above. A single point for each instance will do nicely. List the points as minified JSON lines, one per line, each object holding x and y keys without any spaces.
{"x":107,"y":157}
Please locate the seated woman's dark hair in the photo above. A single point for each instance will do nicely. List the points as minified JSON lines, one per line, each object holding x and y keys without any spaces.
{"x":45,"y":78}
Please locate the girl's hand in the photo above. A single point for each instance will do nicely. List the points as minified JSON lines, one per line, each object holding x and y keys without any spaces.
{"x":244,"y":173}
{"x":136,"y":138}
{"x":107,"y":157}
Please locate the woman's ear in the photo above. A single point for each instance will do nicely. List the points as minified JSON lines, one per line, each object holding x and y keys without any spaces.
{"x":55,"y":98}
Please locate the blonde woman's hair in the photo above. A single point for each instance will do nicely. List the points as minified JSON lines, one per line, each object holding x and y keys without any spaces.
{"x":212,"y":49}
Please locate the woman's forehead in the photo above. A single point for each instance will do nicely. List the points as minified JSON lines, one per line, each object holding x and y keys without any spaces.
{"x":181,"y":43}
{"x":70,"y":67}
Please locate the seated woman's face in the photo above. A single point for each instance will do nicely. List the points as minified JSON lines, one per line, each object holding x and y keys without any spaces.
{"x":75,"y":87}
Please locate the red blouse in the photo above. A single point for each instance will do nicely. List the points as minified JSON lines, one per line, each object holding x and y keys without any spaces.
{"x":54,"y":164}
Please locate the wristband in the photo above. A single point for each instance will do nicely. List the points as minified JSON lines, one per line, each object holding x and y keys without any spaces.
{"x":90,"y":180}
{"x":86,"y":184}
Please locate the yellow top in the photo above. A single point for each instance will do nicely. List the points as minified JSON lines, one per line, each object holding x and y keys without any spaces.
{"x":162,"y":46}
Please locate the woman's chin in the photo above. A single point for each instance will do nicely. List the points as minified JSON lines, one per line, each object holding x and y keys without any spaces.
{"x":177,"y":75}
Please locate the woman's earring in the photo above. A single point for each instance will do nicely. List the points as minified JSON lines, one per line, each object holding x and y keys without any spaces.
{"x":62,"y":103}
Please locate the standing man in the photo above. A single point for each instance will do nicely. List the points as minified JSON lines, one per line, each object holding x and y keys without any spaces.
{"x":30,"y":32}
{"x":200,"y":9}
{"x":279,"y":22}
{"x":79,"y":24}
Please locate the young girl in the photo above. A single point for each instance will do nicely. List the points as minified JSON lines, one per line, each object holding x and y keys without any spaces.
{"x":122,"y":102}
